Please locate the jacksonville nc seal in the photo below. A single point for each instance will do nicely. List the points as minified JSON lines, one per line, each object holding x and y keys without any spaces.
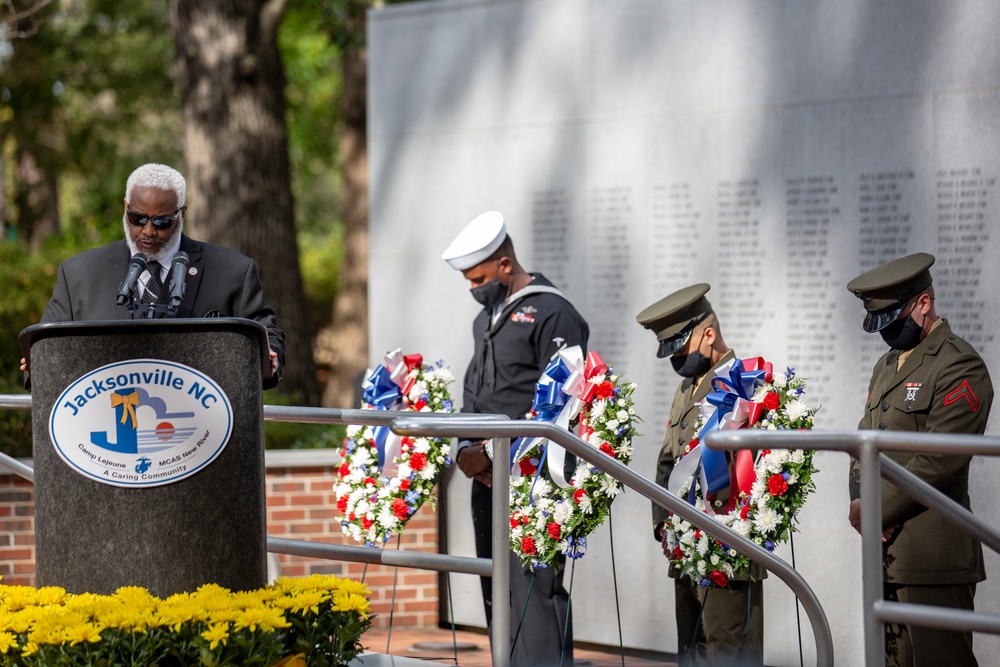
{"x":141,"y":423}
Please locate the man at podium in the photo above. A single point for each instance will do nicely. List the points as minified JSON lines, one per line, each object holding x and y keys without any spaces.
{"x":157,"y":267}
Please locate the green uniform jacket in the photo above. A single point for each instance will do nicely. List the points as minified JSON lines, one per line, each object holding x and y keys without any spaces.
{"x":942,"y":387}
{"x":684,"y":415}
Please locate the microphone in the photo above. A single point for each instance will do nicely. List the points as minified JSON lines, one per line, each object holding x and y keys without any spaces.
{"x":135,"y":267}
{"x":178,"y":277}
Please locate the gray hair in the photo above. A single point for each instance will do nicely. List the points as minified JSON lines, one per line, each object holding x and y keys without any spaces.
{"x":158,"y":176}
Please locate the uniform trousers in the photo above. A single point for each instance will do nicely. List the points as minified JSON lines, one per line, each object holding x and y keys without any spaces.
{"x":920,"y":646}
{"x":539,"y":604}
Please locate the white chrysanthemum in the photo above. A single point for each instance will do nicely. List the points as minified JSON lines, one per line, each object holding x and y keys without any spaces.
{"x":792,"y":479}
{"x":545,"y":504}
{"x":403,"y":470}
{"x":727,"y":569}
{"x":797,"y":456}
{"x":427,"y":473}
{"x":362,"y":456}
{"x":585,"y":505}
{"x":422,"y":445}
{"x":354,"y":429}
{"x":562,"y":512}
{"x":703,"y":545}
{"x":609,"y":486}
{"x":595,"y":440}
{"x":598,"y":406}
{"x":354,"y":477}
{"x":766,"y":520}
{"x":759,"y":393}
{"x":612,"y":424}
{"x":742,"y":527}
{"x":702,"y":567}
{"x":780,"y":381}
{"x":580,"y":477}
{"x":354,"y":531}
{"x":759,"y":488}
{"x":796,"y":409}
{"x":341,"y":489}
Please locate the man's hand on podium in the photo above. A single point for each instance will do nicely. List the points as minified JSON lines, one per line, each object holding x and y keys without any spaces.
{"x":24,"y":365}
{"x":272,"y":353}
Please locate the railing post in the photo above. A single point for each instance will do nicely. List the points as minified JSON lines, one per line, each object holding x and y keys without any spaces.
{"x":871,"y":551}
{"x":501,"y":552}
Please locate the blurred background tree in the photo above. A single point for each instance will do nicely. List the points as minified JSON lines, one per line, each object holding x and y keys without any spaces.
{"x":90,"y":89}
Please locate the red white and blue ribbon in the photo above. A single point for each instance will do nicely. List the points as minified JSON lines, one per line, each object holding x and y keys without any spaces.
{"x":385,"y":389}
{"x":728,"y":406}
{"x":567,"y":385}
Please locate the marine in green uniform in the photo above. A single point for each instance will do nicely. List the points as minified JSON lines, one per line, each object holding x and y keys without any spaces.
{"x":931,"y":381}
{"x":688,"y":332}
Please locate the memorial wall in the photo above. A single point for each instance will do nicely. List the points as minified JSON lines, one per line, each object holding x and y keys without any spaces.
{"x":772,"y":149}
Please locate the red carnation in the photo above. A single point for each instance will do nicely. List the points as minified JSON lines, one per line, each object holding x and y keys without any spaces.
{"x":678,"y":554}
{"x":419,"y":405}
{"x":606,"y":448}
{"x":344,"y":470}
{"x":406,"y":443}
{"x":554,"y":530}
{"x":605,"y":389}
{"x":697,"y":534}
{"x":776,"y":485}
{"x":528,"y":546}
{"x":366,"y":523}
{"x":418,"y":461}
{"x":525,"y":519}
{"x":578,"y":495}
{"x":404,"y":485}
{"x":514,"y":521}
{"x":352,"y":516}
{"x":400,"y":509}
{"x":527,"y":467}
{"x":744,"y":512}
{"x":342,"y":503}
{"x":771,"y":401}
{"x":694,"y":443}
{"x":718,"y":578}
{"x":369,"y":481}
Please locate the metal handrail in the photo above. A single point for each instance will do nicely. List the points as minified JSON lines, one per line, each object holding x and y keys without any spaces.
{"x":497,"y":568}
{"x":865,"y":446}
{"x":407,"y":425}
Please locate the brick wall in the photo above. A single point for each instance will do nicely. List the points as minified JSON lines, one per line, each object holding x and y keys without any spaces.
{"x":300,"y":506}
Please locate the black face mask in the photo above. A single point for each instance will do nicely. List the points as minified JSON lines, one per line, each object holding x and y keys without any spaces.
{"x":903,"y":334}
{"x":691,"y":365}
{"x":490,"y":294}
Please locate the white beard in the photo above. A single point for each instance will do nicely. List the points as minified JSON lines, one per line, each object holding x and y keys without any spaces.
{"x":172,"y":242}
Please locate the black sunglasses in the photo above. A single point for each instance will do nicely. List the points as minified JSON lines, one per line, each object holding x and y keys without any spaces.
{"x":159,"y":221}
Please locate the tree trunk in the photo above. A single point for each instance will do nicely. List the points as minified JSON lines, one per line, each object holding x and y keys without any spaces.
{"x":348,"y":336}
{"x":37,"y":198}
{"x":231,"y":85}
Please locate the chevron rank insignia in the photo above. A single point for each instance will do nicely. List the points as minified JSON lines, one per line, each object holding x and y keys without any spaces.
{"x":963,"y":390}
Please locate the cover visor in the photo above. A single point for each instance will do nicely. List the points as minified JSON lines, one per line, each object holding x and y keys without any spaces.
{"x":883,"y":317}
{"x":668,"y":346}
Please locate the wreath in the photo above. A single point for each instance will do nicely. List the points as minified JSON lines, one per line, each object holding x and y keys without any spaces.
{"x":766,"y":491}
{"x":551,"y":514}
{"x":385,"y":478}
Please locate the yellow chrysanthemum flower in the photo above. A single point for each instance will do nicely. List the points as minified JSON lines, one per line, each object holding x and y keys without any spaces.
{"x":216,"y":634}
{"x":350,"y":602}
{"x":306,"y":600}
{"x":7,"y":642}
{"x":84,"y":632}
{"x":352,"y":586}
{"x":261,"y":617}
{"x":49,"y":595}
{"x":30,"y":648}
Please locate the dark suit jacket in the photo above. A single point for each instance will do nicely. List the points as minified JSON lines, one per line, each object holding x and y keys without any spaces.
{"x":225,"y":284}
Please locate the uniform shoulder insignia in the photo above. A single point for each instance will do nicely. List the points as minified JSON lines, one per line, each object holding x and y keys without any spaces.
{"x":963,"y":390}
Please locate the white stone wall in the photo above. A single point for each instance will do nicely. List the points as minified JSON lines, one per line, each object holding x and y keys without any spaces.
{"x":773,"y":149}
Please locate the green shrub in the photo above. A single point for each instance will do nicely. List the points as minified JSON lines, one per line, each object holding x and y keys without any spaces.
{"x":27,"y":280}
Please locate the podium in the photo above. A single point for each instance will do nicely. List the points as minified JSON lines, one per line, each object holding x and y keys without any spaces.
{"x":148,"y":441}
